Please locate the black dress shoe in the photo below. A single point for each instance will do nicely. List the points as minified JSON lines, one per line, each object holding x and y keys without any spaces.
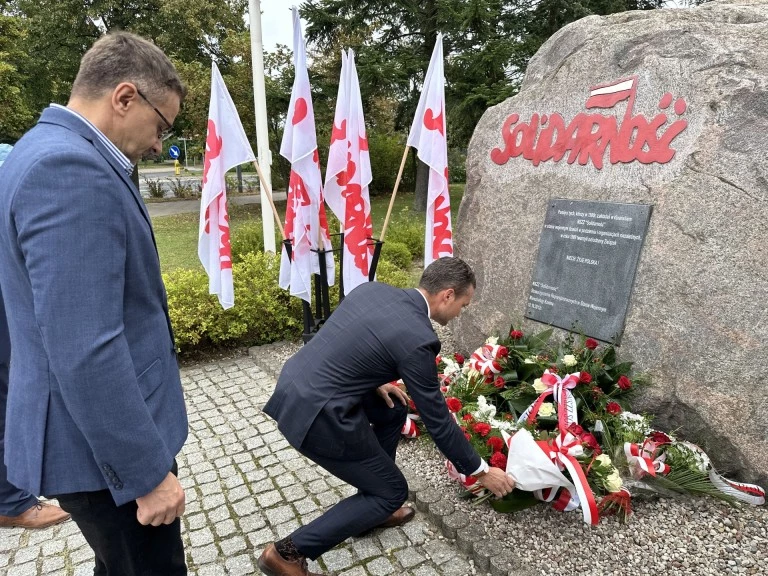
{"x":400,"y":517}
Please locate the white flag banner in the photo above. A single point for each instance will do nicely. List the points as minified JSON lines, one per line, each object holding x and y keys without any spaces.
{"x":226,"y":146}
{"x":305,"y":222}
{"x":428,"y":136}
{"x":348,"y":176}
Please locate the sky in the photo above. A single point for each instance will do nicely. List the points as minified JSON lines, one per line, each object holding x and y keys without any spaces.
{"x":276,"y":27}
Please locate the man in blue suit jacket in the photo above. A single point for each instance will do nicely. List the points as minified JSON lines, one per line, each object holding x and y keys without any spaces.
{"x":96,"y":412}
{"x":332,"y":404}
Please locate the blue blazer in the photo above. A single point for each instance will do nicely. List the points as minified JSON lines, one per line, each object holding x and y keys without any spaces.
{"x":95,"y":400}
{"x":377,"y":334}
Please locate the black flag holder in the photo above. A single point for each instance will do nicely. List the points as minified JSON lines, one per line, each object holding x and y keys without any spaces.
{"x":314,"y":321}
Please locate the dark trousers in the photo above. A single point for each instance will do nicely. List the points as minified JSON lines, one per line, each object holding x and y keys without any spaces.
{"x":122,"y":546}
{"x":12,"y":500}
{"x":382,"y":488}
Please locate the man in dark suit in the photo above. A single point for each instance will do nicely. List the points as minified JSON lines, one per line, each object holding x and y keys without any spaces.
{"x":18,"y":509}
{"x":332,"y":405}
{"x":96,"y":411}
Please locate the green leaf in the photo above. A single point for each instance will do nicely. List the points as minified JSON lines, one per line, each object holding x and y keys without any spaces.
{"x":539,"y":341}
{"x":514,"y":502}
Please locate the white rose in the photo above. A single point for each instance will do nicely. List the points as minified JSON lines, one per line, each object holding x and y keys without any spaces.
{"x":530,"y":360}
{"x":539,"y":386}
{"x":569,"y":360}
{"x":604,"y":460}
{"x":492,"y":340}
{"x":547,"y":409}
{"x":613,"y":482}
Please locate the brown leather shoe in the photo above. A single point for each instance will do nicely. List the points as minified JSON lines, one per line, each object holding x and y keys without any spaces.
{"x":400,"y":517}
{"x":272,"y":564}
{"x":41,"y":515}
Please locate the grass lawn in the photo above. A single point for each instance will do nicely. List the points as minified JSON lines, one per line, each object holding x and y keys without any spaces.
{"x":176,"y":235}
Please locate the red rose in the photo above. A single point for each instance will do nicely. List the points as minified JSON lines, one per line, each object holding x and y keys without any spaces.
{"x":438,"y":359}
{"x":503,"y":352}
{"x":553,"y":369}
{"x":589,"y":439}
{"x":467,"y":435}
{"x":575,"y":429}
{"x":459,"y":358}
{"x":515,"y":334}
{"x":481,"y":428}
{"x":660,"y":437}
{"x":613,"y":408}
{"x":499,"y":382}
{"x":591,"y":343}
{"x":498,"y":460}
{"x":467,"y":418}
{"x":412,"y":406}
{"x":624,"y":383}
{"x":454,"y":404}
{"x":495,"y":443}
{"x":597,"y":391}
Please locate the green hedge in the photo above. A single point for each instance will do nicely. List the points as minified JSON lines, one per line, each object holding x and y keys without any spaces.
{"x":396,"y":253}
{"x":263,"y":312}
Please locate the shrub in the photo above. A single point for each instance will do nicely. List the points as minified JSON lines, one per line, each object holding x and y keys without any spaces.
{"x":390,"y":274}
{"x":396,"y":253}
{"x":410,"y":232}
{"x":182,"y":189}
{"x":155,"y":188}
{"x":247,"y":238}
{"x":386,"y":154}
{"x":263,"y":312}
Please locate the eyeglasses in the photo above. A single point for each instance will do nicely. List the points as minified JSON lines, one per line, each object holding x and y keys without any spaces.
{"x":162,"y":135}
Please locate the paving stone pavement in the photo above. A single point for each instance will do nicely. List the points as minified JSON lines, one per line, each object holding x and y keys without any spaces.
{"x":245,"y":487}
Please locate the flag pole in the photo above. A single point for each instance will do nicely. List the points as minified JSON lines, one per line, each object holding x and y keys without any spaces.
{"x":268,"y":193}
{"x":394,"y":193}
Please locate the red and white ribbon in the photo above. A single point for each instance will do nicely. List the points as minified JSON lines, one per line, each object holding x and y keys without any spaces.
{"x":410,"y":429}
{"x":563,"y":452}
{"x":644,"y":459}
{"x":485,"y":360}
{"x":560,"y":390}
{"x":469,"y":483}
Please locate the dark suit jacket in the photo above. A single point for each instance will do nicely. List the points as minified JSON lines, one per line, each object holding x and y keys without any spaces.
{"x":376,"y":335}
{"x":95,"y":400}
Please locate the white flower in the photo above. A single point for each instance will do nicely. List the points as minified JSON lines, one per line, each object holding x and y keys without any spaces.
{"x":530,"y":360}
{"x":702,"y":460}
{"x":635,"y":423}
{"x":451,"y":367}
{"x":539,"y":386}
{"x":492,"y":340}
{"x":604,"y":460}
{"x":507,"y":425}
{"x":485,"y":411}
{"x":547,"y":409}
{"x":569,"y":360}
{"x":613,"y":482}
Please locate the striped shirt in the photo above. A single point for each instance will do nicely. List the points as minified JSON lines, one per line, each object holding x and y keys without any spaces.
{"x":119,"y":157}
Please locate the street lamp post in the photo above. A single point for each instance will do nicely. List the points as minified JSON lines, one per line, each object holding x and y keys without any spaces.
{"x":186,"y":160}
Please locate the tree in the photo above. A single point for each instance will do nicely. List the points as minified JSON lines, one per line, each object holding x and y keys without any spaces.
{"x":15,"y":113}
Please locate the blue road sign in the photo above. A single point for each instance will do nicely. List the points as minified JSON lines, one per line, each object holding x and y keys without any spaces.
{"x":174,"y":152}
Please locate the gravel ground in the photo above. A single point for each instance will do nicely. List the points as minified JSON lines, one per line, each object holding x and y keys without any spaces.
{"x":663,"y":536}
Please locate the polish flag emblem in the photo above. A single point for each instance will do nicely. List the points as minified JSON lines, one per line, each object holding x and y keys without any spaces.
{"x":608,"y":95}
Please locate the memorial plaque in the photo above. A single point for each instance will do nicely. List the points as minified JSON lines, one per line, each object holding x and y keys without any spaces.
{"x":588,"y":255}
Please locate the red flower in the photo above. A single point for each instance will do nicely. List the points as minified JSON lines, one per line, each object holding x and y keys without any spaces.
{"x":481,"y":428}
{"x":459,"y":358}
{"x":498,"y":460}
{"x":585,"y":377}
{"x":495,"y":443}
{"x":597,"y":391}
{"x":438,"y":359}
{"x":590,"y":441}
{"x":499,"y":382}
{"x":613,"y":408}
{"x":575,"y":429}
{"x":553,"y":369}
{"x":515,"y":334}
{"x":503,"y":352}
{"x":591,"y":343}
{"x":412,"y":406}
{"x":467,"y":435}
{"x":660,"y":437}
{"x":454,"y":404}
{"x":467,"y":418}
{"x":624,"y":383}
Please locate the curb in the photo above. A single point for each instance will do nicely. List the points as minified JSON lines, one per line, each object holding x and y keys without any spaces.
{"x":436,"y":505}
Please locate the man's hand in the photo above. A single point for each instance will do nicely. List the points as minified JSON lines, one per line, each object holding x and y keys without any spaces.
{"x":388,"y":390}
{"x":497,"y":481}
{"x":163,"y":505}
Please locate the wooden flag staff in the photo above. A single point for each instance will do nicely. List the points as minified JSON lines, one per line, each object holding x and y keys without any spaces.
{"x":394,"y":193}
{"x":268,"y":192}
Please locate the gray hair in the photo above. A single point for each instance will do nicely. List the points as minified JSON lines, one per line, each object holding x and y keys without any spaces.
{"x":124,"y":57}
{"x":448,"y":272}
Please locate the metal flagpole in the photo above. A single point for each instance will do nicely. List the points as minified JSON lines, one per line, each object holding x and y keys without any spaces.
{"x":262,"y":136}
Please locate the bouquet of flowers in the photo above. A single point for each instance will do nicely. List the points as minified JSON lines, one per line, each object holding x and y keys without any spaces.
{"x":557,"y":418}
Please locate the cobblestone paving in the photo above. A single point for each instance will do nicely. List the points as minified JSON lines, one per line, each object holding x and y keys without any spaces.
{"x":245,"y":487}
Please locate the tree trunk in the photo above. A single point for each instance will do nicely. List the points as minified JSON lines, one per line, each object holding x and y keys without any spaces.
{"x":422,"y":184}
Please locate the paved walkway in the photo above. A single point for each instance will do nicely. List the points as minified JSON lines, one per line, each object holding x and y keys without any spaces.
{"x":245,"y":487}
